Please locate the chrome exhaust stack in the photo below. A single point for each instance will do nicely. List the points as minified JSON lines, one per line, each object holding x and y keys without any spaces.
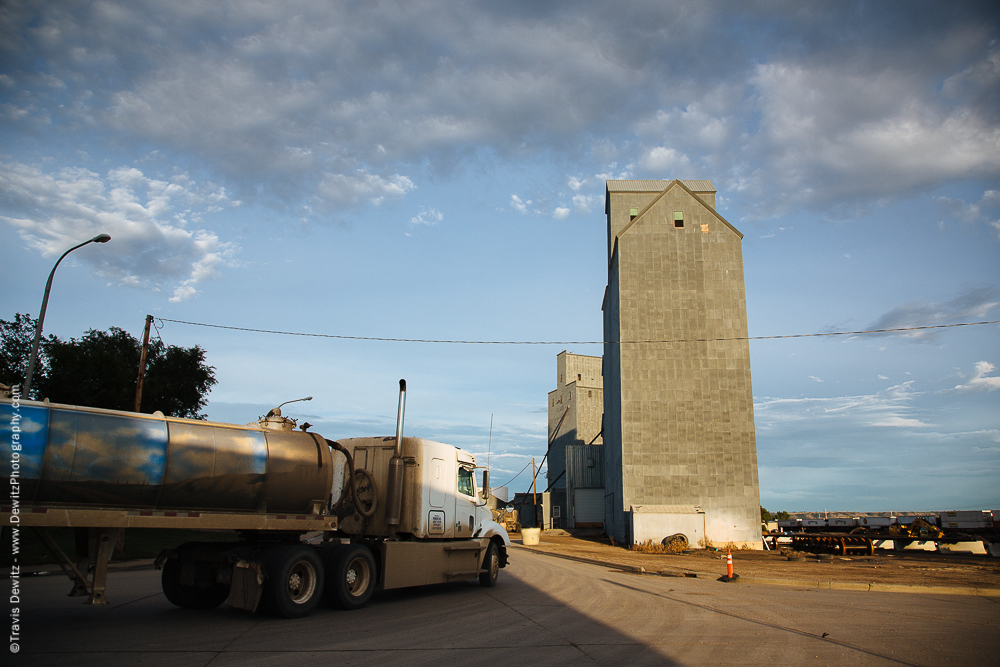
{"x":394,"y":492}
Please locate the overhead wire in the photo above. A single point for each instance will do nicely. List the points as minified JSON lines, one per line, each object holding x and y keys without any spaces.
{"x":578,"y":342}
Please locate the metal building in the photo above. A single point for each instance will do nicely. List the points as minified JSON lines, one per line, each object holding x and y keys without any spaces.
{"x":585,"y":486}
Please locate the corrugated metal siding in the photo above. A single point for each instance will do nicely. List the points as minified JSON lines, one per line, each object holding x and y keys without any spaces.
{"x":588,"y":506}
{"x":578,"y":468}
{"x":657,"y":186}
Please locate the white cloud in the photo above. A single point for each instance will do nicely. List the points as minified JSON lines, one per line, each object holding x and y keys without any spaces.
{"x":614,"y":172}
{"x":666,"y":161}
{"x":901,"y":422}
{"x":361,"y":185}
{"x":429,"y":216}
{"x":833,"y":129}
{"x":979,"y":381}
{"x":561,"y":213}
{"x":890,"y":407}
{"x":149,"y":221}
{"x":519,"y":205}
{"x":586,"y":203}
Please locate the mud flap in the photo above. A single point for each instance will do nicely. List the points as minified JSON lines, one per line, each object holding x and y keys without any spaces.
{"x":247,"y":585}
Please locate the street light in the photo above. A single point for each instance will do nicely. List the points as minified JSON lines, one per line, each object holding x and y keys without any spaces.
{"x":100,"y":238}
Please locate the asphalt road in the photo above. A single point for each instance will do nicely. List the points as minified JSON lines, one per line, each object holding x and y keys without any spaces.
{"x":545,"y":611}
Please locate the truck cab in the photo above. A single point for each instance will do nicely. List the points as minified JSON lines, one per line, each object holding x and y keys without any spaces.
{"x":441,"y":500}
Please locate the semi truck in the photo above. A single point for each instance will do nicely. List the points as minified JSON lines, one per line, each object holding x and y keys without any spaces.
{"x":316,"y":518}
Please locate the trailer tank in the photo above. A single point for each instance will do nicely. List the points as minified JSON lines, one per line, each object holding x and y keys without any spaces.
{"x":72,"y":455}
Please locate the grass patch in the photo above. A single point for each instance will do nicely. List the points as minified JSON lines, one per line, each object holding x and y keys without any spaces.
{"x":674,"y":544}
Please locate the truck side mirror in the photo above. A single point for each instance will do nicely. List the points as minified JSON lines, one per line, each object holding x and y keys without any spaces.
{"x":486,"y":484}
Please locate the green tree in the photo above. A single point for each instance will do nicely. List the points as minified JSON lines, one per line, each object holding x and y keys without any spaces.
{"x":782,"y":516}
{"x":177,"y":381}
{"x":100,"y":370}
{"x":765,"y":516}
{"x":16,"y":337}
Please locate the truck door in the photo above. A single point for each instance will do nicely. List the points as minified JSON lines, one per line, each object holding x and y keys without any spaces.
{"x":437,"y":519}
{"x":465,"y":501}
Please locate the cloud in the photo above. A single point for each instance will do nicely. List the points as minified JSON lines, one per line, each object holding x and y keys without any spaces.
{"x":351,"y":190}
{"x":833,"y":132}
{"x":150,"y":221}
{"x":519,"y":205}
{"x":561,"y":213}
{"x":430,"y":216}
{"x":979,"y":382}
{"x":901,"y":422}
{"x":890,"y":407}
{"x":663,"y":160}
{"x":586,"y":203}
{"x":974,"y":303}
{"x":299,"y":101}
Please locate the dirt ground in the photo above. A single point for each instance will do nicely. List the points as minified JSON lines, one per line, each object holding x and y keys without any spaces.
{"x":899,"y":568}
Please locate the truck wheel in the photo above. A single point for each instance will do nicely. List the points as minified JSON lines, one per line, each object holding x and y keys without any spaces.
{"x":491,"y":563}
{"x":189,"y":597}
{"x":294,"y":583}
{"x":350,"y":577}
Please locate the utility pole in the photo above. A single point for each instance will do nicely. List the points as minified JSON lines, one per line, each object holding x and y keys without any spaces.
{"x":142,"y":363}
{"x":534,"y":495}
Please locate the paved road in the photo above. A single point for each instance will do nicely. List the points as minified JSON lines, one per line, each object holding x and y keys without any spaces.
{"x":545,"y":611}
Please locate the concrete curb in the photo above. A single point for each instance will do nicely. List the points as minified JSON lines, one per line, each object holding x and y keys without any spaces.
{"x":871,"y":587}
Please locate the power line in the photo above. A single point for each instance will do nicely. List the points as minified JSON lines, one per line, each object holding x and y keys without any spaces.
{"x":517,"y":475}
{"x":577,"y":342}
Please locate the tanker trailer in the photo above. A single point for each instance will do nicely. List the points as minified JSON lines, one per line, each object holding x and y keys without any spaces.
{"x":102,"y":471}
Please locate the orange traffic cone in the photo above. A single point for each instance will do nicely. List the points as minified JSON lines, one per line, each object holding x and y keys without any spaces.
{"x":729,"y":576}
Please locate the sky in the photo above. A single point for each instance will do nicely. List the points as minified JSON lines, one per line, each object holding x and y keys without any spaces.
{"x":436,"y":171}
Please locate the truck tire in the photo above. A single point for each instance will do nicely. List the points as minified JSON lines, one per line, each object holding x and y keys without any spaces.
{"x":350,"y":577}
{"x":491,"y":563}
{"x":294,"y":583}
{"x":189,"y":597}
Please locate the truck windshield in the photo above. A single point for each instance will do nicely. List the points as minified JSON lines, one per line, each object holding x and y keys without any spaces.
{"x":466,"y":483}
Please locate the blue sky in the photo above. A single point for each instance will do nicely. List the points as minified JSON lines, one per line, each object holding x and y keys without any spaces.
{"x":431,"y":171}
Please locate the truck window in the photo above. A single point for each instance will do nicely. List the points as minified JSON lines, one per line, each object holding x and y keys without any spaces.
{"x":466,"y":485}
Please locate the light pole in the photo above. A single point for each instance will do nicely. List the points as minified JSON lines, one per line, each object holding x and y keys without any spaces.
{"x":100,"y":238}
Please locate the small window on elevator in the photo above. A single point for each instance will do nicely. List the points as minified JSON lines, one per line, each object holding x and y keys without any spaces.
{"x":678,"y":218}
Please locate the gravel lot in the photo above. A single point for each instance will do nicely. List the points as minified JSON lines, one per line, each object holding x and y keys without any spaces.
{"x":897,"y":568}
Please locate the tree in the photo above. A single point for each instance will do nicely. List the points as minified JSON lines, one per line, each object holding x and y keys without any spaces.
{"x":177,"y":380}
{"x":777,"y":516}
{"x":100,"y":370}
{"x":15,"y":349}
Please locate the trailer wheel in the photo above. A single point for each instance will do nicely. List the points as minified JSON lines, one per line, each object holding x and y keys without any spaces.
{"x":350,"y":576}
{"x":491,"y":562}
{"x":294,"y":583}
{"x":189,"y":597}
